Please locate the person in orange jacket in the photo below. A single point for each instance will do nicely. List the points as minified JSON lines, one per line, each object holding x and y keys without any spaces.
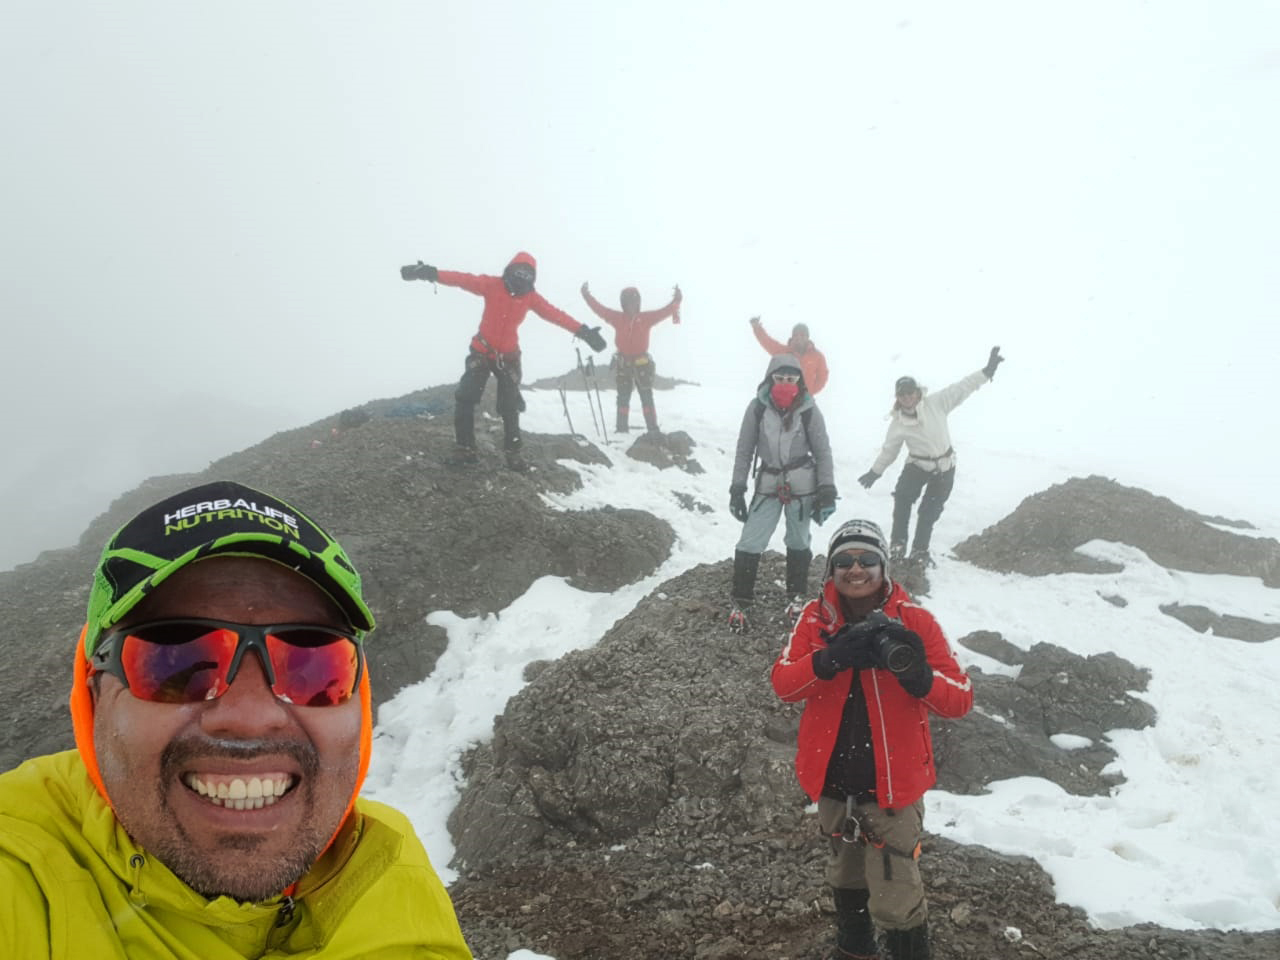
{"x":633,"y":365}
{"x":812,"y":362}
{"x":495,"y":349}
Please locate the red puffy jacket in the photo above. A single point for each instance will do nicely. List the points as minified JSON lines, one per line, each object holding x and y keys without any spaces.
{"x":503,"y":313}
{"x":899,"y":721}
{"x":632,"y":338}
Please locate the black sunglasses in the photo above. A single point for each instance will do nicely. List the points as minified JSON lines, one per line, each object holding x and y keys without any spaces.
{"x":186,"y":661}
{"x":843,"y":561}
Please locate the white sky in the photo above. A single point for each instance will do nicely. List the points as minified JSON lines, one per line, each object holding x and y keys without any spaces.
{"x":1190,"y":781}
{"x":204,"y":209}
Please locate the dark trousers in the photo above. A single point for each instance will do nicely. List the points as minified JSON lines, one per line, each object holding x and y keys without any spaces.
{"x":937,"y":488}
{"x":505,"y":368}
{"x":637,"y":371}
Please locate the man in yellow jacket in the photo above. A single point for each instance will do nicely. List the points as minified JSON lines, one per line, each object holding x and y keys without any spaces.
{"x":223,"y":725}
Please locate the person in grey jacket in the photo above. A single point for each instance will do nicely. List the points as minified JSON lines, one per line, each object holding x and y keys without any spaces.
{"x":920,"y":421}
{"x":784,"y":432}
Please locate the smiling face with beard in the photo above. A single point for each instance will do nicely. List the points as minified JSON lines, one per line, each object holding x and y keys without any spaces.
{"x":238,"y":795}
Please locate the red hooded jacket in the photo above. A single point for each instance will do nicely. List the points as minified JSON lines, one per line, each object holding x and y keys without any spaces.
{"x":632,"y":336}
{"x":503,"y":313}
{"x":899,"y":722}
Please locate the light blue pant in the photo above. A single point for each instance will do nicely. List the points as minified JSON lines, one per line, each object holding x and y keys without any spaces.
{"x":762,"y":518}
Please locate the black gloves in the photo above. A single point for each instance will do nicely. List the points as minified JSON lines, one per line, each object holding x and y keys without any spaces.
{"x":738,"y":502}
{"x":993,"y":361}
{"x":419,"y":271}
{"x":824,"y":503}
{"x":880,"y":643}
{"x":915,"y":674}
{"x":853,"y":645}
{"x":592,"y":336}
{"x":868,"y":478}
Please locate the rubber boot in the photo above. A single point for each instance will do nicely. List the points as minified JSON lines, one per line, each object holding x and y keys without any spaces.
{"x":797,"y":580}
{"x":743,"y":589}
{"x":798,"y":571}
{"x":910,"y":944}
{"x":855,"y":936}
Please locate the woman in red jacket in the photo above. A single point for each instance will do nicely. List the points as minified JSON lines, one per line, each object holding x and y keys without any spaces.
{"x":870,"y":666}
{"x":633,"y":365}
{"x":496,"y":347}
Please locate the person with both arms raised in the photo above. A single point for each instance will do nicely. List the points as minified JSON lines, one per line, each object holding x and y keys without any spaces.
{"x":870,"y":666}
{"x":495,"y":349}
{"x":783,"y":430}
{"x":632,"y":364}
{"x":919,"y":420}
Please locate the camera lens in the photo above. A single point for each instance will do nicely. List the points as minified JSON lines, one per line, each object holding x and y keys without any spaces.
{"x":897,"y":657}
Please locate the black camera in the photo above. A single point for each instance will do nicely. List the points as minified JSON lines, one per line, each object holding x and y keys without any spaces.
{"x":894,"y":654}
{"x":419,"y":271}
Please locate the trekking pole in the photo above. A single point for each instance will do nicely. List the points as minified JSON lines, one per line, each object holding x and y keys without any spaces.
{"x":595,"y":382}
{"x":587,"y":390}
{"x":565,"y":403}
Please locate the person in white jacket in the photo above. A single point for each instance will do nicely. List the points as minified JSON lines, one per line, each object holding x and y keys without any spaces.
{"x":920,"y":421}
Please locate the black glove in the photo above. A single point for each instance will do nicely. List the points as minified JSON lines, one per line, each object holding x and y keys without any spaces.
{"x":993,"y":361}
{"x":738,"y":503}
{"x":852,"y":646}
{"x":592,"y":336}
{"x":419,"y":271}
{"x":916,"y":679}
{"x":868,"y":478}
{"x":824,"y":503}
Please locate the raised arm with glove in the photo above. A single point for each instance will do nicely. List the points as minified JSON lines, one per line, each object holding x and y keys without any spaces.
{"x":993,"y":361}
{"x":592,"y":337}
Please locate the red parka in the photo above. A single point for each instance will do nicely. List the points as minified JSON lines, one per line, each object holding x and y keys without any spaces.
{"x":503,"y":313}
{"x":903,"y":745}
{"x":632,"y":337}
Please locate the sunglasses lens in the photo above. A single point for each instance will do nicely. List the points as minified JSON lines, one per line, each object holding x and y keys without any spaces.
{"x":185,"y":662}
{"x":313,"y":667}
{"x":846,"y":560}
{"x":177,"y":662}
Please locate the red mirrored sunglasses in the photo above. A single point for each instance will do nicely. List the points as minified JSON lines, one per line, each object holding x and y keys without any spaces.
{"x":186,"y":661}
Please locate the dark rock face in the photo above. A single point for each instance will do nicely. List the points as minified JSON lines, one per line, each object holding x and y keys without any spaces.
{"x":1041,"y":535}
{"x":1202,"y":619}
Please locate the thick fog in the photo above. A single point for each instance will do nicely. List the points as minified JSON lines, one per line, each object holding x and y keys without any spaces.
{"x":205,"y":208}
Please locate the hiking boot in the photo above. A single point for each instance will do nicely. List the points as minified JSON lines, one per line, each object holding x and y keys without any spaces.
{"x":516,"y":462}
{"x":897,"y":551}
{"x":910,"y":944}
{"x":737,"y":619}
{"x":921,"y":559}
{"x":796,"y":607}
{"x":855,"y":935}
{"x":463,"y":456}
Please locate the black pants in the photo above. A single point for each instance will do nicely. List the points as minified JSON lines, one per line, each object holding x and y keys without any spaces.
{"x":637,"y":371}
{"x":937,"y":488}
{"x":505,"y":368}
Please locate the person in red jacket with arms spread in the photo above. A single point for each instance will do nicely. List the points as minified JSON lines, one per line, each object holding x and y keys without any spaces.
{"x":869,"y":666}
{"x":812,"y":361}
{"x":633,"y":365}
{"x":495,"y":349}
